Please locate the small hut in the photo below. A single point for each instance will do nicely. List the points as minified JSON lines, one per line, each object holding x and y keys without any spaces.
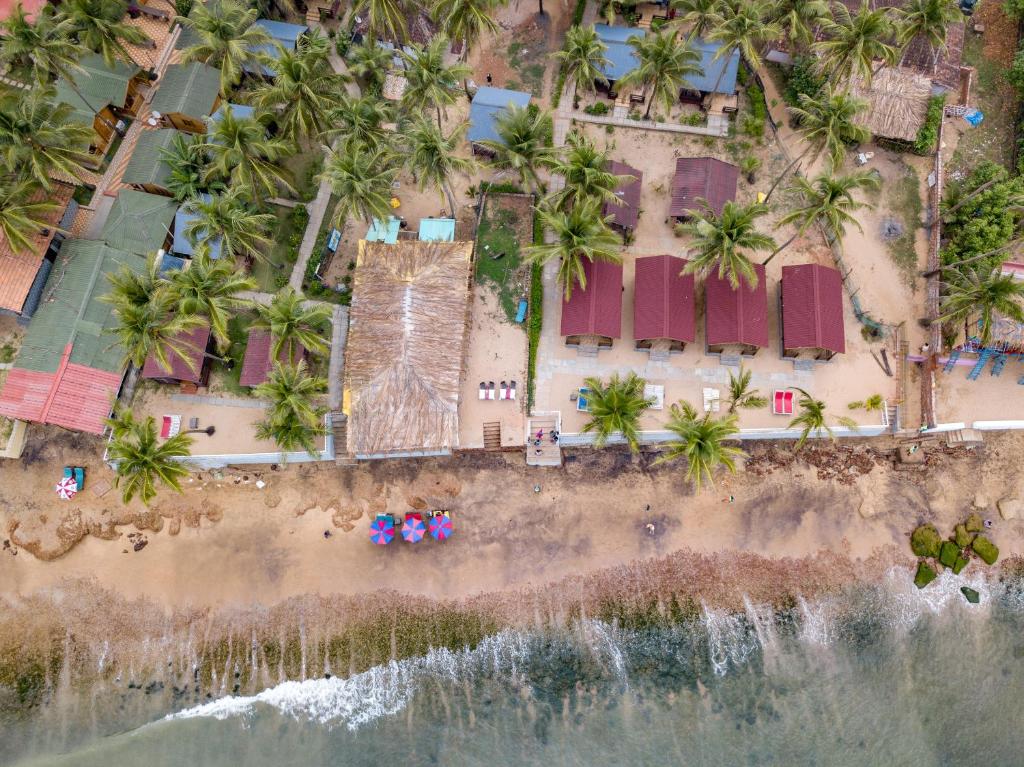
{"x":593,"y":316}
{"x":702,"y":179}
{"x":195,"y":344}
{"x":626,"y":215}
{"x":736,"y":320}
{"x":186,"y":95}
{"x":258,"y":362}
{"x":487,"y":105}
{"x":663,"y":304}
{"x":139,"y":222}
{"x":147,"y":169}
{"x":812,"y":312}
{"x":897,"y":103}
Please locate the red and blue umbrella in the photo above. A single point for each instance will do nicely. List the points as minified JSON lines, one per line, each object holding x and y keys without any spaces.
{"x":441,"y":526}
{"x":413,"y":529}
{"x":382,"y":530}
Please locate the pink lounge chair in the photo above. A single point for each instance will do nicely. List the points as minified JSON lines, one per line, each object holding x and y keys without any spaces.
{"x":512,"y":390}
{"x":782,"y":402}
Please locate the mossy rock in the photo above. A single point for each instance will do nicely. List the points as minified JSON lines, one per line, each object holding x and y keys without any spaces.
{"x":970,"y":594}
{"x":925,"y":575}
{"x":974,"y":523}
{"x":962,"y":537}
{"x":985,"y":549}
{"x":925,"y":541}
{"x":960,"y":564}
{"x":949,"y":553}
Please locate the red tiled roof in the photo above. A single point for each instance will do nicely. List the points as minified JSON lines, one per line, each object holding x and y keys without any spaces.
{"x":256,"y":365}
{"x":702,"y":178}
{"x":596,"y":311}
{"x":18,"y":268}
{"x":75,"y":396}
{"x":625,"y":215}
{"x":180,"y":371}
{"x":736,"y":316}
{"x":663,"y":304}
{"x":812,"y":308}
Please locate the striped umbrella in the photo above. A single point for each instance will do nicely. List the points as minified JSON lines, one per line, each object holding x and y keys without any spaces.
{"x":382,"y":530}
{"x":441,"y":526}
{"x":413,"y":529}
{"x":67,"y":488}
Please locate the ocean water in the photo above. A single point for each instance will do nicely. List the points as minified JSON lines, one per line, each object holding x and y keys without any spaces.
{"x":879,"y":675}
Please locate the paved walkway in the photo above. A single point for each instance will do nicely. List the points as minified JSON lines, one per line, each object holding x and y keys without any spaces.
{"x":336,"y":367}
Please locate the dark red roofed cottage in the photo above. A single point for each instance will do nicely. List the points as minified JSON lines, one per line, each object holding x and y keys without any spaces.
{"x":812,"y":312}
{"x":663,"y":303}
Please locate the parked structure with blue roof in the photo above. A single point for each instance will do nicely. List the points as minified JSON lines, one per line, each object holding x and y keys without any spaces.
{"x":487,"y":104}
{"x":620,"y":54}
{"x":282,"y":35}
{"x":240,"y":111}
{"x":719,"y":74}
{"x":182,"y":245}
{"x":437,"y":229}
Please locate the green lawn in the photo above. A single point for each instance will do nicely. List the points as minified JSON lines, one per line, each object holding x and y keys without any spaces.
{"x":903,"y":200}
{"x":304,"y":167}
{"x":499,"y":235}
{"x":272,"y":273}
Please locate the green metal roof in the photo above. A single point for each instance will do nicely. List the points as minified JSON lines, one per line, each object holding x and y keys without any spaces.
{"x":71,"y":310}
{"x":139,"y":222}
{"x":95,"y":87}
{"x":189,"y":89}
{"x":147,"y":164}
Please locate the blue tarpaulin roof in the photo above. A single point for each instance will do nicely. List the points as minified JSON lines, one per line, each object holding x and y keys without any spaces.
{"x":240,"y":111}
{"x":713,"y":68}
{"x":183,"y":245}
{"x":386,"y":233}
{"x":437,"y":229}
{"x":620,"y":52}
{"x":487,"y":103}
{"x":282,"y":33}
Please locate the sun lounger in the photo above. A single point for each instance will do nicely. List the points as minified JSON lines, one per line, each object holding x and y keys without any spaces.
{"x":170,"y":427}
{"x":782,"y":402}
{"x":512,"y":390}
{"x":712,"y":400}
{"x":503,"y":390}
{"x":521,"y":311}
{"x":490,"y":390}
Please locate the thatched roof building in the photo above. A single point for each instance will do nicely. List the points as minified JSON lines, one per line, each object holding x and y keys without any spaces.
{"x":406,"y":343}
{"x":897,"y":103}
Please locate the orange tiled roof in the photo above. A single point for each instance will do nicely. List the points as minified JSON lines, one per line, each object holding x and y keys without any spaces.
{"x":18,"y":269}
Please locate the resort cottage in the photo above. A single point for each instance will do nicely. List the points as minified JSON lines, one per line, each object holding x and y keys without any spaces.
{"x":186,"y":96}
{"x":625,"y":215}
{"x":257,"y":363}
{"x":147,"y":170}
{"x":191,"y":370}
{"x":182,"y":245}
{"x":664,"y":314}
{"x":897,"y":103}
{"x":620,"y":56}
{"x":592,"y":317}
{"x":700,"y":182}
{"x":812,"y":312}
{"x":283,"y":36}
{"x":488,"y":103}
{"x":139,"y":223}
{"x":735,"y":320}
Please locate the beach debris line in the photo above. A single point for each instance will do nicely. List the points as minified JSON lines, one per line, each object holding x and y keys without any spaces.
{"x":955,"y":553}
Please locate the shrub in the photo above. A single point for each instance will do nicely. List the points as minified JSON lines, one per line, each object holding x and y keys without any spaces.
{"x":925,"y":575}
{"x":804,"y":77}
{"x":948,"y":553}
{"x":925,"y":541}
{"x":928,"y":135}
{"x":536,"y":320}
{"x":1014,"y":8}
{"x":598,"y":108}
{"x":961,"y":537}
{"x":985,"y":549}
{"x":752,"y":126}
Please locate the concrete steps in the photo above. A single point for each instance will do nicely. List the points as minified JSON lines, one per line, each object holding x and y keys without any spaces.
{"x":339,"y":431}
{"x":547,"y":453}
{"x":492,"y":435}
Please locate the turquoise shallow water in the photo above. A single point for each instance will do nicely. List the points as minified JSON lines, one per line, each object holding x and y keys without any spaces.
{"x":883,"y":675}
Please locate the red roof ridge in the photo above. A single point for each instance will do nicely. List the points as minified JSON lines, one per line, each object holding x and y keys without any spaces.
{"x":57,"y":377}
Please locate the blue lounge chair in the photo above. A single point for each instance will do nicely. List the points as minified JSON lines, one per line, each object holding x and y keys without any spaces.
{"x":521,"y":312}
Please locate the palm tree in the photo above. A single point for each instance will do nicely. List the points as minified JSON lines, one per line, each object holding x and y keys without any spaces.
{"x":799,"y":19}
{"x":431,"y":156}
{"x":304,"y":90}
{"x":227,"y":38}
{"x":853,"y":42}
{"x":812,"y":418}
{"x":663,"y":64}
{"x":359,"y":121}
{"x":700,"y":441}
{"x":292,"y":322}
{"x":293,"y":419}
{"x":465,"y":21}
{"x":741,"y":396}
{"x":230,"y":219}
{"x":928,"y":19}
{"x":615,"y":408}
{"x":362,"y":180}
{"x":523,"y":145}
{"x":24,"y":212}
{"x":827,"y":123}
{"x":186,"y":158}
{"x":830,"y":201}
{"x":586,"y":174}
{"x":583,"y":57}
{"x":42,"y":46}
{"x":210,"y":288}
{"x":430,"y":83}
{"x":722,"y":242}
{"x":580,"y":235}
{"x":243,"y":156}
{"x":699,"y":15}
{"x":38,"y":138}
{"x":982,"y":291}
{"x":386,"y":18}
{"x":142,"y":459}
{"x":149,"y":323}
{"x":99,"y":26}
{"x":744,"y":26}
{"x":369,"y":63}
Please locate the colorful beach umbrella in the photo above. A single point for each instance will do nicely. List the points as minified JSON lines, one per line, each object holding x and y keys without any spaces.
{"x":67,"y":488}
{"x":441,"y":526}
{"x":413,"y":529}
{"x":382,"y":530}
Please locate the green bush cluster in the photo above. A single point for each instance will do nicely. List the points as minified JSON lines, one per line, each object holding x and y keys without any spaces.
{"x":804,"y":77}
{"x":925,"y":541}
{"x":597,"y":108}
{"x":928,"y":136}
{"x":1014,"y":8}
{"x":936,"y":553}
{"x":988,"y":221}
{"x":536,"y":319}
{"x":754,"y":122}
{"x":985,"y":549}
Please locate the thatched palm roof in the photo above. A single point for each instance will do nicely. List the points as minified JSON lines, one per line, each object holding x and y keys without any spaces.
{"x":897,"y":103}
{"x":404,"y":356}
